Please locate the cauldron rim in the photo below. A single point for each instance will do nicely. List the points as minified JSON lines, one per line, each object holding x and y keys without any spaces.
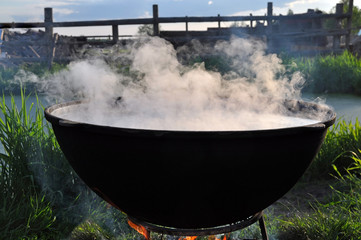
{"x":325,"y":123}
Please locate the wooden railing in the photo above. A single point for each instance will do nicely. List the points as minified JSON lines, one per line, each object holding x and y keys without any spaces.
{"x":50,"y":39}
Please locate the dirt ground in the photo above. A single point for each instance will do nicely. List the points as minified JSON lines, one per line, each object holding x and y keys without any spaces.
{"x":300,"y":198}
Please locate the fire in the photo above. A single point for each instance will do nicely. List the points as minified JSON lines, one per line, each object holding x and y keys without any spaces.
{"x":140,"y":229}
{"x":188,"y":238}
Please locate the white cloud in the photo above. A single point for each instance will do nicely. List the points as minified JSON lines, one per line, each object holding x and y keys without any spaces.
{"x":300,"y":6}
{"x":64,"y":11}
{"x":29,"y":10}
{"x":297,"y":6}
{"x":146,"y":14}
{"x":210,"y":2}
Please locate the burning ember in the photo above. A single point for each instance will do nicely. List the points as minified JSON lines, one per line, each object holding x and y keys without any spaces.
{"x":188,"y":238}
{"x":146,"y":234}
{"x":140,"y":229}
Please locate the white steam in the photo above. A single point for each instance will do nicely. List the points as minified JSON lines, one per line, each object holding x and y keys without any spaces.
{"x":158,"y":92}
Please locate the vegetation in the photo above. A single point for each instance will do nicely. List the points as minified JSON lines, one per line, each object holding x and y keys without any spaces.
{"x":328,"y":74}
{"x":41,"y":197}
{"x":10,"y":78}
{"x":342,"y":141}
{"x":338,"y":218}
{"x":356,"y":16}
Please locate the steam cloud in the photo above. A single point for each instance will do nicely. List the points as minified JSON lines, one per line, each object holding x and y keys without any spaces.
{"x":158,"y":92}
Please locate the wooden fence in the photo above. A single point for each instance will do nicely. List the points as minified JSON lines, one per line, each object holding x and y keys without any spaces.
{"x":269,"y":21}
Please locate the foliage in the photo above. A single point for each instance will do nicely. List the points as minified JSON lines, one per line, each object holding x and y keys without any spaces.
{"x":8,"y":76}
{"x":356,"y":16}
{"x":214,"y":63}
{"x":355,"y":21}
{"x":146,"y":29}
{"x":339,"y":218}
{"x":41,"y":197}
{"x":24,"y":210}
{"x":89,"y":230}
{"x":328,"y":74}
{"x":341,"y":141}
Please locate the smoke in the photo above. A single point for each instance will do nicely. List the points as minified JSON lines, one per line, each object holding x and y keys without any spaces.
{"x":158,"y":91}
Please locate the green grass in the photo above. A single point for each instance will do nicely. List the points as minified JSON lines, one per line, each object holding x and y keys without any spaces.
{"x":341,"y":141}
{"x":41,"y":197}
{"x":24,"y":210}
{"x":337,"y":218}
{"x":328,"y":74}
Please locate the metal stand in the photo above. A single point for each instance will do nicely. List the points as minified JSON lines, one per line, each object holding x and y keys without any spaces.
{"x":205,"y":231}
{"x":262,"y":226}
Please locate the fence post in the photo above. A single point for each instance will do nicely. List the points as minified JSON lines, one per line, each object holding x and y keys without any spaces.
{"x":155,"y":20}
{"x":337,"y":38}
{"x":269,"y":29}
{"x":115,"y":32}
{"x":48,"y":21}
{"x":349,"y":24}
{"x":269,"y":14}
{"x":187,"y":24}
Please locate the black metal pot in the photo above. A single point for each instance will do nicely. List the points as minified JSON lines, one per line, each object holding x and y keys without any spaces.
{"x":189,"y":179}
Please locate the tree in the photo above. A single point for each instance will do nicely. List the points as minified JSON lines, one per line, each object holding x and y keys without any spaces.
{"x":146,"y":29}
{"x":356,"y":17}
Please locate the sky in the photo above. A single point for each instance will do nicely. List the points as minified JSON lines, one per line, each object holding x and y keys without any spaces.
{"x":80,"y":10}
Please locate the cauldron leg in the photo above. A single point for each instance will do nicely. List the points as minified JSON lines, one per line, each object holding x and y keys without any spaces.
{"x":263,"y":228}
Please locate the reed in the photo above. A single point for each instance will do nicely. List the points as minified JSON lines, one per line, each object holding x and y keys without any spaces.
{"x":41,"y":197}
{"x":328,"y":74}
{"x":24,"y":210}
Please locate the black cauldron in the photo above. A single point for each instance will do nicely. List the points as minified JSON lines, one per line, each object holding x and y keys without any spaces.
{"x":190,"y":179}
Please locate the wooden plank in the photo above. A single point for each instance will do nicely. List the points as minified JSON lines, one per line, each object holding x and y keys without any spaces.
{"x":115,"y":33}
{"x":33,"y":50}
{"x":48,"y":20}
{"x":349,"y":23}
{"x":155,"y":20}
{"x":142,"y":21}
{"x":337,"y":38}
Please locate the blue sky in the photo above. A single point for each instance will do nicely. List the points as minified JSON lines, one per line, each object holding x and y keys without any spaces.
{"x":77,"y":10}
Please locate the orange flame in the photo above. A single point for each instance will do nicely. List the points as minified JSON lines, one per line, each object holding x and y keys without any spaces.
{"x":188,"y":238}
{"x":140,"y":229}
